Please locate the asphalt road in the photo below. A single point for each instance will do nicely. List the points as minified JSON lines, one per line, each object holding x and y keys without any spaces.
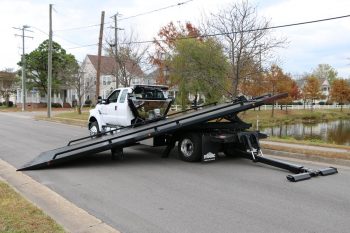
{"x":145,"y":193}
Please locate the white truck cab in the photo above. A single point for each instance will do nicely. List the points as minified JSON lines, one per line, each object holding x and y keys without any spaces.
{"x":124,"y":106}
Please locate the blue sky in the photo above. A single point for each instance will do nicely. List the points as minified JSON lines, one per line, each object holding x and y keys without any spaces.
{"x":309,"y":45}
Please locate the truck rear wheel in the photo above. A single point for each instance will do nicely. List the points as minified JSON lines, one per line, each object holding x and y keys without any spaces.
{"x":190,"y":147}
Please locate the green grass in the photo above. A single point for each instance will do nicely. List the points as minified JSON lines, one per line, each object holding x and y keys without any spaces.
{"x":292,"y":116}
{"x":4,"y":108}
{"x":71,"y":118}
{"x":73,"y":115}
{"x":17,"y":215}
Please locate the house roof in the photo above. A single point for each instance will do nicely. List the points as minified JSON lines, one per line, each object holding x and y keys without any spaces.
{"x":325,"y":82}
{"x":7,"y":75}
{"x":109,"y":65}
{"x":154,"y":74}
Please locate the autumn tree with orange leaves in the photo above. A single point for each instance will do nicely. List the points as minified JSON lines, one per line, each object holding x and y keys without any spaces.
{"x":340,"y":92}
{"x":254,"y":84}
{"x":312,"y":90}
{"x":165,"y":46}
{"x":278,"y":82}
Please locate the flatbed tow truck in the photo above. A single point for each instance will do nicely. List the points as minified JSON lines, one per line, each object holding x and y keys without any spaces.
{"x":200,"y":132}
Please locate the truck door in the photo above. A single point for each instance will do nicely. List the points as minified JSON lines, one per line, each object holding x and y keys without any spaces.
{"x":124,"y":115}
{"x":110,"y":109}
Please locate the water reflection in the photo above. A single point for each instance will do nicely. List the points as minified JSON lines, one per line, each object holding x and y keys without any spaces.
{"x":337,"y":132}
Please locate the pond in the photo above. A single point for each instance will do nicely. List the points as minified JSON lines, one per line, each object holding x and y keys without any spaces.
{"x":337,"y":132}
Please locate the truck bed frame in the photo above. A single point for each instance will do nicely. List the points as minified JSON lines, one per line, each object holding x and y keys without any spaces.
{"x":199,"y":123}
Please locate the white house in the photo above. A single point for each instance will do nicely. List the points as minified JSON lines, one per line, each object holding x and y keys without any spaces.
{"x":107,"y":77}
{"x":7,"y":86}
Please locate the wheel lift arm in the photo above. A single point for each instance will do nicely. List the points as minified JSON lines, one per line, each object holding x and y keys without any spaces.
{"x":251,"y":142}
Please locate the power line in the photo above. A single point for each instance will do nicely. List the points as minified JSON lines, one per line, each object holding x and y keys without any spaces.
{"x":243,"y":31}
{"x":42,"y":31}
{"x":83,"y":46}
{"x":59,"y":36}
{"x":78,"y":28}
{"x":145,"y":13}
{"x":152,"y":11}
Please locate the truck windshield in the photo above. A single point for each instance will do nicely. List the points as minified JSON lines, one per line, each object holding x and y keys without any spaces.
{"x":148,"y":93}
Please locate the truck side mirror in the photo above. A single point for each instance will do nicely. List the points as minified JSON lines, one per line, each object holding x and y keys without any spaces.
{"x":99,"y":100}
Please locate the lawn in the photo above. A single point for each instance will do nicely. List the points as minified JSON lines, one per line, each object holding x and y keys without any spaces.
{"x":18,"y":215}
{"x":292,"y":116}
{"x":71,"y":117}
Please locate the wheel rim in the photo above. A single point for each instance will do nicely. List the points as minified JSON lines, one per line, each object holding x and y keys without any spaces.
{"x":93,"y":130}
{"x":187,"y":147}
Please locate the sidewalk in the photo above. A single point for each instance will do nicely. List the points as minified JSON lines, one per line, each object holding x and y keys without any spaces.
{"x":307,"y":152}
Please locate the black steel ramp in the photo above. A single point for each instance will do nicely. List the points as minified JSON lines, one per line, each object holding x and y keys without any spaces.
{"x":133,"y":135}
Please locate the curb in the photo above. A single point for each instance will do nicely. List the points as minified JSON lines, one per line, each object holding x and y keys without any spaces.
{"x":72,"y":218}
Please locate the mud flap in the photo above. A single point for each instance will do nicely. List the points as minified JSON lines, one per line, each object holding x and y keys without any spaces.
{"x":209,"y":149}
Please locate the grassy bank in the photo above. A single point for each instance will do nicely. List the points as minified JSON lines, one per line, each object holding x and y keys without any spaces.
{"x":71,"y":118}
{"x":312,"y":142}
{"x":292,"y":116}
{"x":18,"y":215}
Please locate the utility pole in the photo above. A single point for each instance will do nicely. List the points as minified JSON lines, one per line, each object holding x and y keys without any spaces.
{"x":49,"y":68}
{"x":23,"y":29}
{"x":98,"y":71}
{"x":116,"y":47}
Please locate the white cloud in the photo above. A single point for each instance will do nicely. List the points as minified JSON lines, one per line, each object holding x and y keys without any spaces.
{"x":312,"y":44}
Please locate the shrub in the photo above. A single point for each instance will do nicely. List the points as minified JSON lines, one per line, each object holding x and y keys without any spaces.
{"x":74,"y":103}
{"x":56,"y":105}
{"x":88,"y":102}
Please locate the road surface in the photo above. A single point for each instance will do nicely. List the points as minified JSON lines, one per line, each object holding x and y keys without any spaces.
{"x":145,"y":193}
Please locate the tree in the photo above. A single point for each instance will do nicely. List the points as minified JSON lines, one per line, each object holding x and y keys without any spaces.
{"x":198,"y":67}
{"x":312,"y":90}
{"x":295,"y":92}
{"x":82,"y":86}
{"x":254,"y":84}
{"x":325,"y":71}
{"x":245,"y":39}
{"x":165,"y":45}
{"x":9,"y":85}
{"x":278,"y":82}
{"x":340,"y":92}
{"x":130,"y":57}
{"x":64,"y":67}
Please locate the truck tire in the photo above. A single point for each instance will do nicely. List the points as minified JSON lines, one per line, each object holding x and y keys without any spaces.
{"x":190,"y":147}
{"x":94,"y":129}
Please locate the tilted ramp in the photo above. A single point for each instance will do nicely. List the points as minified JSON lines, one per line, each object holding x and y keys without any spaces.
{"x":131,"y":136}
